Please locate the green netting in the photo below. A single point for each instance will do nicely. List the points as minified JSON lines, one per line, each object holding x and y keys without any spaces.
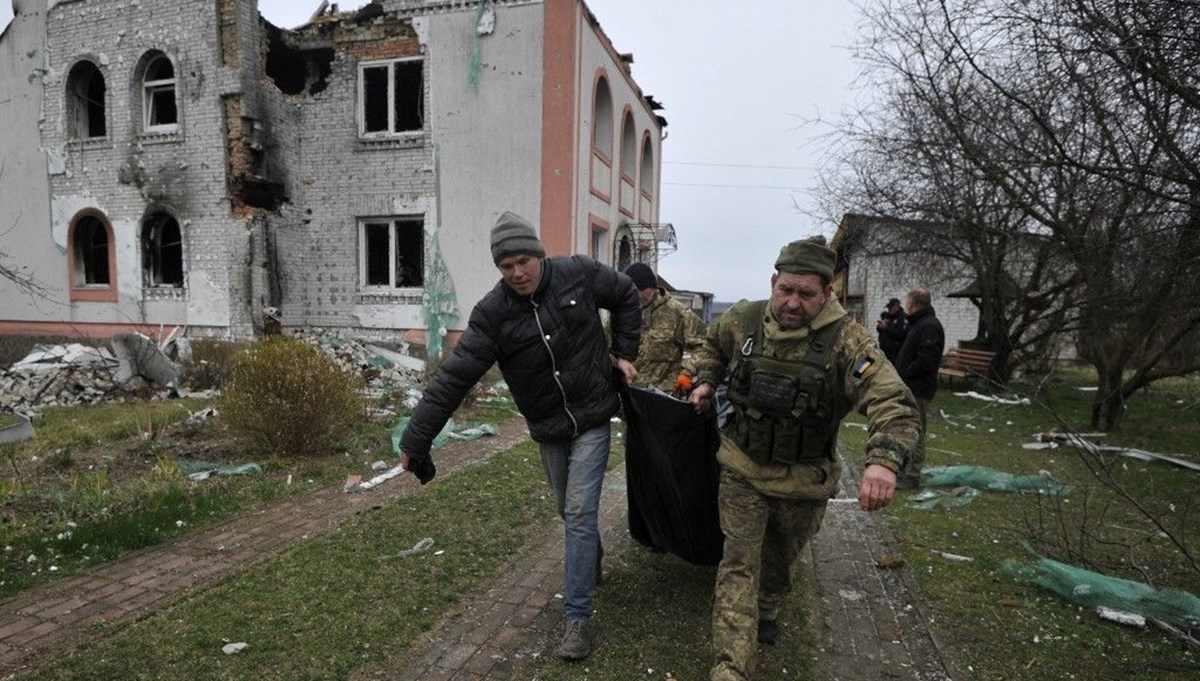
{"x":213,"y":468}
{"x":476,"y":49}
{"x":1092,"y":589}
{"x":981,"y":477}
{"x":450,"y":431}
{"x":439,"y":302}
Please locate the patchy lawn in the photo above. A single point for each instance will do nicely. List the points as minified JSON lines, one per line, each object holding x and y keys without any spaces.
{"x":1000,"y":628}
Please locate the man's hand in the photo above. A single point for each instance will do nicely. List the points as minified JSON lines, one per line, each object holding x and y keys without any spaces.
{"x":422,"y":467}
{"x":627,"y":370}
{"x":877,"y":487}
{"x":701,"y":397}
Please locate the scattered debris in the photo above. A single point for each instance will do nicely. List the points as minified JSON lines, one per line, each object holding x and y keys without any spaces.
{"x":929,"y":499}
{"x":891,"y":561}
{"x":202,"y":470}
{"x":953,"y":557}
{"x":981,"y":477}
{"x":352,"y":483}
{"x":381,"y":478}
{"x":234,"y":648}
{"x":18,"y":431}
{"x":420,"y":547}
{"x":1121,"y":617}
{"x":1084,"y":441}
{"x":992,"y":398}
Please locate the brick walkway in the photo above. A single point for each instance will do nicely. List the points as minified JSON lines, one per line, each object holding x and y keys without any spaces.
{"x":61,"y":612}
{"x":869,"y":621}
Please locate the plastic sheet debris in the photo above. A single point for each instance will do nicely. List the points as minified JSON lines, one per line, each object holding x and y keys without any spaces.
{"x":381,"y":478}
{"x":930,"y":499}
{"x":420,"y":547}
{"x":1120,"y":617}
{"x":202,"y":470}
{"x":954,"y":557}
{"x":1084,"y":441}
{"x":451,"y":431}
{"x":15,"y":428}
{"x":1174,"y":607}
{"x":993,"y":398}
{"x":981,"y":477}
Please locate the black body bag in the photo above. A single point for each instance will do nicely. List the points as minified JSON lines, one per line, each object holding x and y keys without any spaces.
{"x":672,"y":474}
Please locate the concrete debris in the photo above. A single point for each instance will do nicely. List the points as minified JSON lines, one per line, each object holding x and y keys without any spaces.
{"x":234,"y":648}
{"x":74,"y":374}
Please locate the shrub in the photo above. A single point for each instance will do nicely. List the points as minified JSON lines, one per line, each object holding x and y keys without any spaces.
{"x":288,"y":398}
{"x":209,"y":363}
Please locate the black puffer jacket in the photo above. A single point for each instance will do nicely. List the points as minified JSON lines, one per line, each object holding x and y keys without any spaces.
{"x":919,"y":357}
{"x":551,"y":349}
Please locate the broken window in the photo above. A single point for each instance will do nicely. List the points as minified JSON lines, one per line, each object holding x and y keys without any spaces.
{"x":85,"y":102}
{"x":91,"y":246}
{"x":392,"y":96}
{"x":598,"y":252}
{"x":162,"y":251}
{"x":392,"y":253}
{"x":159,"y":112}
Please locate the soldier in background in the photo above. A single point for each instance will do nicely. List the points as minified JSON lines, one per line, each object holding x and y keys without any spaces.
{"x":671,"y":333}
{"x":798,"y":364}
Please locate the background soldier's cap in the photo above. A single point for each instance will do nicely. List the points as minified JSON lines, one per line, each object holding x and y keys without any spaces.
{"x":807,"y":256}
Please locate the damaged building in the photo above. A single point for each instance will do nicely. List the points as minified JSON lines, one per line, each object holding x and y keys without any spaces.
{"x":189,"y":164}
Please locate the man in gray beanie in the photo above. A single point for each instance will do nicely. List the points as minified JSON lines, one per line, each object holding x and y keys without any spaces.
{"x":541,"y":323}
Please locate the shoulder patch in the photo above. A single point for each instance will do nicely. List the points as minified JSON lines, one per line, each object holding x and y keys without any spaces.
{"x":862,"y":365}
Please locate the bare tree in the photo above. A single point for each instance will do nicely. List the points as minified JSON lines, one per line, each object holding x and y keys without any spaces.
{"x":1019,"y":119}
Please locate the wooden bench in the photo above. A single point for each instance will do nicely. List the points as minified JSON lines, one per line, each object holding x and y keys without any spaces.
{"x":963,"y":363}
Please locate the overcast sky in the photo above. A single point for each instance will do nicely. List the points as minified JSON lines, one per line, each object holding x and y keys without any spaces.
{"x":739,"y":82}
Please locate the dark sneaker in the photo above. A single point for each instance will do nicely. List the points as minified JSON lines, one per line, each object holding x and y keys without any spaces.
{"x":768,"y":632}
{"x":908,"y":482}
{"x":577,"y":641}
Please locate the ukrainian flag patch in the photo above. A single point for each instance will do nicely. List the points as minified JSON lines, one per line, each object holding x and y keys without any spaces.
{"x":863,"y":364}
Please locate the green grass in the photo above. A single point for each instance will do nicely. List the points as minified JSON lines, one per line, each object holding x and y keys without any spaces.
{"x":1000,"y":628}
{"x":340,"y":601}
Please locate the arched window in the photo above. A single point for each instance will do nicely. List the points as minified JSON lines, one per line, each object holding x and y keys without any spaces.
{"x":159,"y":110}
{"x":85,"y":102}
{"x":162,"y":251}
{"x":646,"y":212}
{"x":92,"y":257}
{"x":628,"y":148}
{"x":646,"y":179}
{"x":602,"y":117}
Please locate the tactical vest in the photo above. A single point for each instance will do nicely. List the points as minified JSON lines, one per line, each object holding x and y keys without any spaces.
{"x":787,"y":411}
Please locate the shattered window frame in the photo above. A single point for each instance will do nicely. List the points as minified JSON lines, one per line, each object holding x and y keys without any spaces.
{"x":404,"y":110}
{"x":86,"y":102}
{"x":160,"y":106}
{"x":91,"y":258}
{"x":162,"y":251}
{"x":391,"y":253}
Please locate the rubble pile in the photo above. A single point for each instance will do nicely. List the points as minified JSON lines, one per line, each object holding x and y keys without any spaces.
{"x":69,"y":375}
{"x":60,"y":375}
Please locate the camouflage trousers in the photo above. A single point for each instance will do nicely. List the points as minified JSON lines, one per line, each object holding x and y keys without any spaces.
{"x":763,"y":537}
{"x":917,"y":460}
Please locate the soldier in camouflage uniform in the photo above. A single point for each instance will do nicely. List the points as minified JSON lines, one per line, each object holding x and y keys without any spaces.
{"x":670,"y":335}
{"x":797,"y":365}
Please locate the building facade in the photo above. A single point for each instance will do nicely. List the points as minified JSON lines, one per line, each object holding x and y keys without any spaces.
{"x":190,"y":164}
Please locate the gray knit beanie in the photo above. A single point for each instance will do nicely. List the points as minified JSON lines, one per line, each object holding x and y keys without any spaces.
{"x":513,"y":235}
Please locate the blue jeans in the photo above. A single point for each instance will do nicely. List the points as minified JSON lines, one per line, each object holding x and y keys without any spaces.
{"x":575,"y":470}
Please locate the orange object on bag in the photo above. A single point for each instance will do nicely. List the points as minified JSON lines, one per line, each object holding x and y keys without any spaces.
{"x":683,"y":383}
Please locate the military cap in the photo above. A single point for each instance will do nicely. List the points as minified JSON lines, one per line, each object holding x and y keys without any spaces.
{"x":807,"y":256}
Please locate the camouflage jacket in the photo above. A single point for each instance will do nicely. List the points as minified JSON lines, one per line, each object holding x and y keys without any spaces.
{"x":872,"y":387}
{"x":671,"y":333}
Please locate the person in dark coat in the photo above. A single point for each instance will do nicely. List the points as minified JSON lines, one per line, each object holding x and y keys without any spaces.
{"x":917,"y":363}
{"x":541,"y":324}
{"x":892,"y":327}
